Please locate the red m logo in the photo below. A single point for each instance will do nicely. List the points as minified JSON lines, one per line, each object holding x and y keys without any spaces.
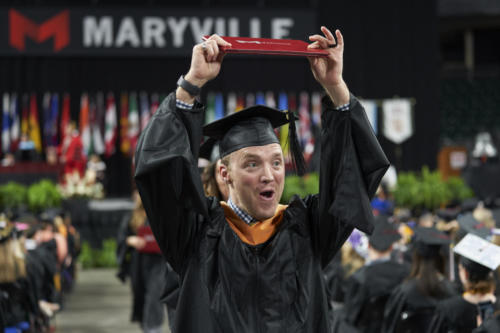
{"x":57,"y":27}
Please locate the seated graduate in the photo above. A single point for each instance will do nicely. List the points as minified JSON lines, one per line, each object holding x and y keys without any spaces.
{"x":252,"y":265}
{"x":463,"y":313}
{"x":411,"y":305}
{"x":368,"y":289}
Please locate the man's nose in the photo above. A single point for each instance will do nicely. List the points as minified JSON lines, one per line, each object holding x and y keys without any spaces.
{"x":267,"y":174}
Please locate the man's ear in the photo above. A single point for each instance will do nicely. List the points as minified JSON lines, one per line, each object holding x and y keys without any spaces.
{"x":224,"y":173}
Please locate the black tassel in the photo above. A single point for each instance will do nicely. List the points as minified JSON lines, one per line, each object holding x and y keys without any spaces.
{"x":295,"y":149}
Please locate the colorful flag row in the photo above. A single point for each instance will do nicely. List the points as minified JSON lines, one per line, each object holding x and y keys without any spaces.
{"x":103,"y":119}
{"x":97,"y":120}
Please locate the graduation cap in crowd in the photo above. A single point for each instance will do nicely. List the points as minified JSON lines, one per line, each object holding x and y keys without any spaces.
{"x":429,"y":241}
{"x":209,"y":150}
{"x":469,"y":204}
{"x":479,"y":257}
{"x":384,"y":235}
{"x":254,"y":126}
{"x":448,"y":214}
{"x":469,"y":225}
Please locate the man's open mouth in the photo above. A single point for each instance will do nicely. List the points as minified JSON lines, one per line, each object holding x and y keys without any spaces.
{"x":267,"y":195}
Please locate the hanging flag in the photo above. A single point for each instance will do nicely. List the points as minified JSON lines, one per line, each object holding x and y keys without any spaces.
{"x":84,"y":123}
{"x":260,"y":99}
{"x":316,"y":109}
{"x":240,"y":102}
{"x":370,"y":107}
{"x":282,"y":105}
{"x":306,"y":136}
{"x":46,"y":118}
{"x":97,"y":144}
{"x":34,"y":124}
{"x":54,"y":113}
{"x":219,"y":106}
{"x":15,"y":127}
{"x":5,"y":123}
{"x":155,"y":102}
{"x":231,"y":103}
{"x":210,"y":109}
{"x":270,"y":101}
{"x":133,"y":121}
{"x":124,"y":139}
{"x":25,"y":115}
{"x":111,"y":124}
{"x":397,"y":118}
{"x":250,"y":100}
{"x":145,"y":110}
{"x":65,"y":119}
{"x":101,"y":113}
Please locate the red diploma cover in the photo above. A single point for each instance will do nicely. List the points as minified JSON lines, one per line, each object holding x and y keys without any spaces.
{"x":287,"y":47}
{"x":151,"y":244}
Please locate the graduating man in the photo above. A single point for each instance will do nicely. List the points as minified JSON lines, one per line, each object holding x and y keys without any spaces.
{"x":252,"y":265}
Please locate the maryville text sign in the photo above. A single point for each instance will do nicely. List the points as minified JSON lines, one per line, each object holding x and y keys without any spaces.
{"x":137,"y":32}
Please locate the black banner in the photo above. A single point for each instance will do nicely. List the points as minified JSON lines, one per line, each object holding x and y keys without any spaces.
{"x":136,"y":32}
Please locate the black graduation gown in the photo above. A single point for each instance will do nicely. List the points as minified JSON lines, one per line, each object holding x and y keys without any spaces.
{"x":147,"y":276}
{"x":367,"y":291}
{"x":408,"y":302}
{"x":277,"y":286}
{"x":455,"y":315}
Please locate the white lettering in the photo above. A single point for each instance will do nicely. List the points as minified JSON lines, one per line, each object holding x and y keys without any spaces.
{"x":177,"y":28}
{"x":220,"y":26}
{"x":234,"y":27}
{"x":127,"y":33}
{"x":200,"y":30}
{"x":280,"y":27}
{"x":255,"y":27}
{"x":97,"y":33}
{"x":153,"y":29}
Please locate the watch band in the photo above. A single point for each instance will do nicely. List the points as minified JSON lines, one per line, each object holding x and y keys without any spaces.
{"x":188,"y":86}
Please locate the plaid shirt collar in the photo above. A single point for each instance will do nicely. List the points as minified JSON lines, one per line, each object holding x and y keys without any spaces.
{"x":244,"y":216}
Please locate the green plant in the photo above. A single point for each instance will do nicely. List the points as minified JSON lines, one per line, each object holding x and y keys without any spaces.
{"x":427,"y":190}
{"x":43,"y":195}
{"x":458,"y":189}
{"x":103,"y":257}
{"x":12,"y":195}
{"x":302,"y":186}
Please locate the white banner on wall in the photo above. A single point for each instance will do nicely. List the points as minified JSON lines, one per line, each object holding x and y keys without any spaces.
{"x":397,"y":119}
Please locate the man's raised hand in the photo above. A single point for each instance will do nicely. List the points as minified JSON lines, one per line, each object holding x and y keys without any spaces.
{"x":206,"y":60}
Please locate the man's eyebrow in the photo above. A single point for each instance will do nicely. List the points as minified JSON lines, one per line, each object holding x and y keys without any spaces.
{"x":250,"y":156}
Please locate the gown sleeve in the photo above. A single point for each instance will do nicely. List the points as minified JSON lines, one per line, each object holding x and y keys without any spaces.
{"x":167,"y":178}
{"x":351,"y":167}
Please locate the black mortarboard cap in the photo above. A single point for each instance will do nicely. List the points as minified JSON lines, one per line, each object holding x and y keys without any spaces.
{"x":384,"y":235}
{"x":254,"y":126}
{"x":469,"y":225}
{"x":448,"y":214}
{"x":469,"y":204}
{"x":428,"y":241}
{"x":479,"y":257}
{"x":209,"y":150}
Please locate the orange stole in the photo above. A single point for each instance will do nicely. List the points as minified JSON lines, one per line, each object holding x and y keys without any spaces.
{"x":257,"y":233}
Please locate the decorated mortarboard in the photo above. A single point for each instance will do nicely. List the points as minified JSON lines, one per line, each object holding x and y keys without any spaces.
{"x":384,"y":235}
{"x":479,"y":257}
{"x":428,"y":241}
{"x":469,"y":225}
{"x":254,"y":126}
